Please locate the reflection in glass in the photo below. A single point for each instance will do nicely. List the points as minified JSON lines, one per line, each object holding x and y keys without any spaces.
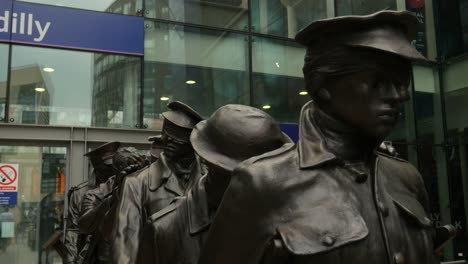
{"x":362,"y":7}
{"x":286,"y":17}
{"x":278,"y":83}
{"x":205,"y":69}
{"x":38,"y":214}
{"x":116,"y":91}
{"x":3,"y":79}
{"x":58,"y":87}
{"x":216,"y":13}
{"x":126,"y":7}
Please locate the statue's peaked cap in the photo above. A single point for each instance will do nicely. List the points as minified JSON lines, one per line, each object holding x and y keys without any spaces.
{"x":155,"y":139}
{"x":388,"y":31}
{"x":104,"y":149}
{"x":182,"y":115}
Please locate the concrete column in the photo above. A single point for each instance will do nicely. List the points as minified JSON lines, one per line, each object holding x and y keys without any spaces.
{"x":331,"y":8}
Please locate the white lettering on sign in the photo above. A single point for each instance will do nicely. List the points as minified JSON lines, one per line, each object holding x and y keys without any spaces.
{"x":24,"y":26}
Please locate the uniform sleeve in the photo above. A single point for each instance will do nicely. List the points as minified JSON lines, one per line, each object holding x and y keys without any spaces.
{"x":129,"y":217}
{"x":93,"y":209}
{"x":72,"y":232}
{"x":238,"y":233}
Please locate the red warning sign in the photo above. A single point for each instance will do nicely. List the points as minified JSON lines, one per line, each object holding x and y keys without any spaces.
{"x":416,"y":3}
{"x":8,"y":177}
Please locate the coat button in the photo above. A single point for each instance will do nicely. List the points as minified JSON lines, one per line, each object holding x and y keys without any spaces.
{"x":398,"y":258}
{"x":328,"y":241}
{"x":361,"y":178}
{"x":383,"y":209}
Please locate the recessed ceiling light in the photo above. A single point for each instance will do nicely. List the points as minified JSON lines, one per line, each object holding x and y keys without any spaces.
{"x":39,"y":89}
{"x":48,"y":69}
{"x":164,"y":98}
{"x":277,"y":64}
{"x":303,"y":93}
{"x":266,"y":106}
{"x":190,"y":82}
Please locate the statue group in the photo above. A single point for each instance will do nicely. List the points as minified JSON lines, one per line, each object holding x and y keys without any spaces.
{"x":234,"y":189}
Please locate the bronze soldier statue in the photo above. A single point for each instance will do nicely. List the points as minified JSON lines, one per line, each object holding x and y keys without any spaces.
{"x":98,"y":209}
{"x":101,"y":159}
{"x":232,"y":134}
{"x":150,"y":190}
{"x":332,"y":198}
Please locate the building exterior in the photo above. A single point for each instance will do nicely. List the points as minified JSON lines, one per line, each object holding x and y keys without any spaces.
{"x":208,"y":53}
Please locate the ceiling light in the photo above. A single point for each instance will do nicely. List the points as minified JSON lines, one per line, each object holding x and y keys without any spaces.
{"x":190,"y":82}
{"x":164,"y":98}
{"x":277,"y":64}
{"x":48,"y":69}
{"x":39,"y":89}
{"x":303,"y":93}
{"x":266,"y":107}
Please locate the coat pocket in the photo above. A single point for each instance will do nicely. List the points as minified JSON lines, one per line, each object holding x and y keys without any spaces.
{"x":413,"y":209}
{"x":322,"y":237}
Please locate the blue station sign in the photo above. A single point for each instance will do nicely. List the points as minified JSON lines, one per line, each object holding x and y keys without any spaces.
{"x":62,"y":27}
{"x":291,"y":129}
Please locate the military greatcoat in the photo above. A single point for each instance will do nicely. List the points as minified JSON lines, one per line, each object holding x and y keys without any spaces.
{"x":74,"y":241}
{"x":322,"y":209}
{"x":94,"y":206}
{"x":143,"y":194}
{"x":176,"y":233}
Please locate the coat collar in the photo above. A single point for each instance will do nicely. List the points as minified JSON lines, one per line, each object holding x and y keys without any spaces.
{"x":311,"y":146}
{"x":158,"y":172}
{"x":197,"y":208}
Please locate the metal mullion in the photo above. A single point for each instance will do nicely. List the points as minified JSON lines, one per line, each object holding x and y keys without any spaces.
{"x":200,"y":26}
{"x":250,"y":51}
{"x":8,"y":83}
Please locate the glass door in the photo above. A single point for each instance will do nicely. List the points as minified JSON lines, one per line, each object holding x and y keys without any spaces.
{"x":32,"y":193}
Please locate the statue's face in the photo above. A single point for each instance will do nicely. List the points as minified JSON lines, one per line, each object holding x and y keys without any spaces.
{"x":175,"y":148}
{"x":101,"y":168}
{"x":372,"y":100}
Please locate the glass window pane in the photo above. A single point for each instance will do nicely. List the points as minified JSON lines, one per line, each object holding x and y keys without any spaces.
{"x":456,"y":108}
{"x":203,"y":68}
{"x":285,"y":18}
{"x":216,"y":13}
{"x":278,"y":83}
{"x":3,"y":79}
{"x":363,"y":7}
{"x":62,"y":87}
{"x":127,"y":7}
{"x":38,"y":213}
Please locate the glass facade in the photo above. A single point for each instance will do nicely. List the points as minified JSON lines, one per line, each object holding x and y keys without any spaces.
{"x":203,"y":68}
{"x":72,"y":88}
{"x":211,"y":53}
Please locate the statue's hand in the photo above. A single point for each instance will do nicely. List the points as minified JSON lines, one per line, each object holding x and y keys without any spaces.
{"x":443,"y":235}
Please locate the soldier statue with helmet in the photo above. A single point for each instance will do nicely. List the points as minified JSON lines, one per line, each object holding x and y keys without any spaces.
{"x":231,"y":135}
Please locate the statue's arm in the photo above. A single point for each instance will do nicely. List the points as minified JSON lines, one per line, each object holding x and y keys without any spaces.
{"x":93,"y":209}
{"x":128,"y":222}
{"x":238,"y":233}
{"x":72,"y":231}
